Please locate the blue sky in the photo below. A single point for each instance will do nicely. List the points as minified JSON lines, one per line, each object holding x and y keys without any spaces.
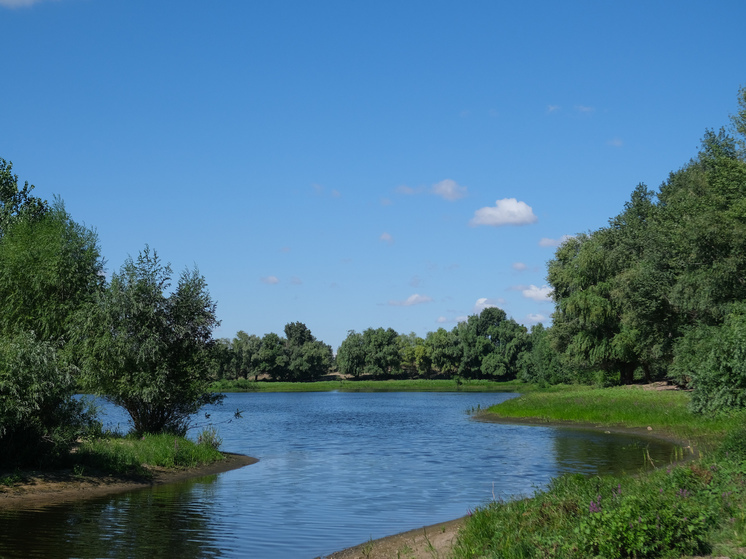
{"x":359,"y":164}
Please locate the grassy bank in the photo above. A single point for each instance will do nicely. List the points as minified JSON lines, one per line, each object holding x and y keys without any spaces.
{"x":131,"y":456}
{"x":665,"y":411}
{"x":136,"y":455}
{"x":683,"y":510}
{"x":413,"y":385}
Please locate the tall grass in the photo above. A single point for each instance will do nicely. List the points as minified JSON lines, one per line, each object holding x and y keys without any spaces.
{"x":137,"y":455}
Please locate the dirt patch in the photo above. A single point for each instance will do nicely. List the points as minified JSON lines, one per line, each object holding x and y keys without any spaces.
{"x":39,"y":489}
{"x":423,"y":543}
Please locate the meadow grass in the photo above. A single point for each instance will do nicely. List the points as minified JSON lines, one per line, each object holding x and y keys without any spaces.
{"x":682,"y":510}
{"x":665,"y":410}
{"x":135,"y":455}
{"x":366,"y":385}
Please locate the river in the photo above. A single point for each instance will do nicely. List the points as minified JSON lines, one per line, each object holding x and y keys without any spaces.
{"x":336,"y":469}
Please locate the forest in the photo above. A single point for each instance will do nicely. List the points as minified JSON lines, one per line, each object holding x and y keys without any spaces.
{"x":657,"y":294}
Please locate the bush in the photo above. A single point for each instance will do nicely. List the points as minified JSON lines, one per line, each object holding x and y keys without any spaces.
{"x":40,"y":420}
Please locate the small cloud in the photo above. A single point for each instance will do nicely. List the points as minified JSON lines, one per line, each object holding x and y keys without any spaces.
{"x":552,"y":109}
{"x":295,"y":280}
{"x":615,"y":142}
{"x":448,"y":190}
{"x":270,"y":280}
{"x":386,"y":201}
{"x":507,"y":211}
{"x":520,"y":266}
{"x":415,"y":281}
{"x":441,"y":320}
{"x":415,"y":299}
{"x":285,"y":249}
{"x":534,"y":318}
{"x":584,"y":109}
{"x":484,"y":303}
{"x":538,"y":294}
{"x":547,"y":242}
{"x":335,"y":194}
{"x":318,"y":190}
{"x":18,"y":3}
{"x":386,"y":238}
{"x":408,"y":190}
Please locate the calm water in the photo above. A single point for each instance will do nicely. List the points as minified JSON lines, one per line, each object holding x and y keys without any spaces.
{"x":335,"y":470}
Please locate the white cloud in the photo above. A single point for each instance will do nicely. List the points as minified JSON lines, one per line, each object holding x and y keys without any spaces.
{"x":547,"y":242}
{"x":441,"y":320}
{"x":386,"y":238}
{"x":507,"y":211}
{"x":449,"y":190}
{"x":615,"y":142}
{"x":584,"y":109}
{"x":295,"y":280}
{"x":520,"y":266}
{"x":335,"y":193}
{"x":270,"y":280}
{"x":415,"y":299}
{"x":386,"y":201}
{"x":18,"y":3}
{"x":552,"y":108}
{"x":535,"y":318}
{"x":485,"y":303}
{"x":538,"y":294}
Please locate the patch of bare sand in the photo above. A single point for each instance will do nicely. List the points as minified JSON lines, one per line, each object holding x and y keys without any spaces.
{"x":40,"y":489}
{"x":430,"y":542}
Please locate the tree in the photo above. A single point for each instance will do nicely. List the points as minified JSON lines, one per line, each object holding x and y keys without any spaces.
{"x":148,"y":350}
{"x":39,"y":419}
{"x":16,"y":204}
{"x":49,"y":267}
{"x":308,"y":358}
{"x":271,"y":358}
{"x":381,"y":351}
{"x":351,"y":355}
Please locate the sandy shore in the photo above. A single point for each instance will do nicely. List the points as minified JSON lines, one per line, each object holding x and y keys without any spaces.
{"x":46,"y":488}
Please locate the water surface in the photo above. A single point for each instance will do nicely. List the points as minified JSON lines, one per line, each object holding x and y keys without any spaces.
{"x":335,"y":470}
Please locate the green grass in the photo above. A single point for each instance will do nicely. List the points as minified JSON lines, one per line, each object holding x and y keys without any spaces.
{"x":687,"y":509}
{"x":134,"y":455}
{"x":414,"y":385}
{"x":665,"y":411}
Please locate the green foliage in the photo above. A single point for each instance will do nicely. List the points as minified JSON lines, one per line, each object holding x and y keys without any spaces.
{"x":666,"y":513}
{"x":712,"y":360}
{"x":17,"y":205}
{"x":49,"y":267}
{"x":148,"y":351}
{"x":40,"y":421}
{"x":351,"y":355}
{"x":135,"y":454}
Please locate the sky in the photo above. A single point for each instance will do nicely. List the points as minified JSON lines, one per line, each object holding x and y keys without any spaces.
{"x":355,"y":165}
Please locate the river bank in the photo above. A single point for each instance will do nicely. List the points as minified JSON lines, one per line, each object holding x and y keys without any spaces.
{"x":43,"y":488}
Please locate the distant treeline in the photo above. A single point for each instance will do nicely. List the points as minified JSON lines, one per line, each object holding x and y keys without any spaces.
{"x":486,"y":346}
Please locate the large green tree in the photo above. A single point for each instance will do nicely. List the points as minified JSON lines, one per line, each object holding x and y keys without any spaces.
{"x":147,"y":348}
{"x":49,"y":267}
